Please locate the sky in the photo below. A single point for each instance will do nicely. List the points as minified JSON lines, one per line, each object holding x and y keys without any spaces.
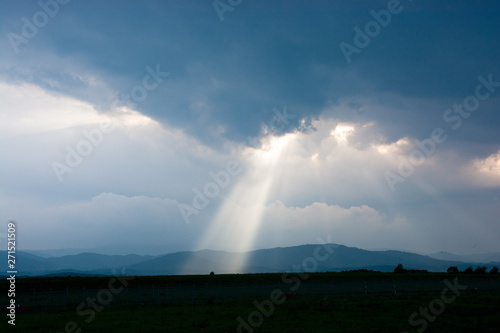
{"x":237,"y":125}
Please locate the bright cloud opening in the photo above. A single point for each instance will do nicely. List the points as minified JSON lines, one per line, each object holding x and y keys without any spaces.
{"x":342,"y":132}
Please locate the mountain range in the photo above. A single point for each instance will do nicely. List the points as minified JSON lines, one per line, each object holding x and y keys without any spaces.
{"x":312,"y":257}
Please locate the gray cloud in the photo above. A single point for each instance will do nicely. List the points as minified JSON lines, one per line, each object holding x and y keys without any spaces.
{"x":225,"y":79}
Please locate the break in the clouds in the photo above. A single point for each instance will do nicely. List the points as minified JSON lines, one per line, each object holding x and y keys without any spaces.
{"x":158,"y":122}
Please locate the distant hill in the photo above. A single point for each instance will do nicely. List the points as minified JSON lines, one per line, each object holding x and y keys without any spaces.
{"x":113,"y":249}
{"x":288,"y":259}
{"x":280,"y":259}
{"x":472,"y":258}
{"x":30,"y":264}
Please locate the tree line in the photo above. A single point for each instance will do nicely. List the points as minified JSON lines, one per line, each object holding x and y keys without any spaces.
{"x":452,"y":269}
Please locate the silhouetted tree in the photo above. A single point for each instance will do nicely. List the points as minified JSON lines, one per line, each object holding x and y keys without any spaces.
{"x":399,"y":269}
{"x":212,"y":273}
{"x":494,"y":270}
{"x":452,"y":269}
{"x":480,"y":270}
{"x":469,"y":270}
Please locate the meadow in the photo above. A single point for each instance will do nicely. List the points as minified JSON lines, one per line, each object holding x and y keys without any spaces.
{"x":313,"y":302}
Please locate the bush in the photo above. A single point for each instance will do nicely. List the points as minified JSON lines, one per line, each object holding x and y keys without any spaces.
{"x":399,"y":269}
{"x":494,"y":270}
{"x":453,"y":269}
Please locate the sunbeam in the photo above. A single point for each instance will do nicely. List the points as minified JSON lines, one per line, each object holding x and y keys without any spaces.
{"x":238,"y":220}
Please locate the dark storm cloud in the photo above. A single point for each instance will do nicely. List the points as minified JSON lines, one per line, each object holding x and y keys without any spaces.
{"x":263,"y":55}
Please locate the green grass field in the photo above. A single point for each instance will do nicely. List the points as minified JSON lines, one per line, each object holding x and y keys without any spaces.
{"x":310,"y":310}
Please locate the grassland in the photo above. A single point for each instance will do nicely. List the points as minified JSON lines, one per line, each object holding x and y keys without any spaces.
{"x":311,"y":308}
